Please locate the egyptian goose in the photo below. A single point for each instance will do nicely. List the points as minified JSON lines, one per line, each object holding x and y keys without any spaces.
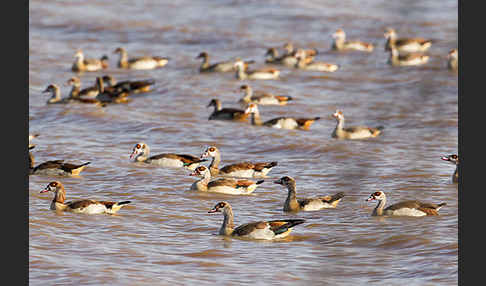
{"x":263,"y":98}
{"x":141,"y":152}
{"x":55,"y":95}
{"x":225,"y":185}
{"x":32,"y":136}
{"x":279,"y":122}
{"x":309,"y":53}
{"x":410,"y":59}
{"x":221,"y":113}
{"x":354,"y":132}
{"x":77,"y":92}
{"x":272,"y":229}
{"x":340,"y":43}
{"x":135,"y":86}
{"x":272,"y":57}
{"x":111,"y":95}
{"x":452,"y":60}
{"x":292,"y":204}
{"x":140,"y":63}
{"x":226,"y":66}
{"x":80,"y":206}
{"x":405,"y":208}
{"x":54,"y":167}
{"x":405,"y":45}
{"x":454,"y":159}
{"x":313,"y":66}
{"x":81,"y":64}
{"x":243,"y":169}
{"x":264,"y":74}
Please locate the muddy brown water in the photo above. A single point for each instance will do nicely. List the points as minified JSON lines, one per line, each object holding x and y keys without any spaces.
{"x":166,"y":236}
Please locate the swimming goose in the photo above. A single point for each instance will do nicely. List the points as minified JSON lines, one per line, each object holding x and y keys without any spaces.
{"x":81,"y":64}
{"x":454,"y":159}
{"x":309,"y":53}
{"x":80,"y":206}
{"x":340,"y":43}
{"x":405,"y":208}
{"x":452,"y":60}
{"x":279,"y":122}
{"x":292,"y":204}
{"x":76,"y":91}
{"x":264,"y":74}
{"x":268,"y":230}
{"x":243,"y":169}
{"x":405,"y":45}
{"x":313,"y":66}
{"x":55,"y":95}
{"x":354,"y":132}
{"x":263,"y":98}
{"x":410,"y":59}
{"x":54,"y":167}
{"x":111,"y":95}
{"x":272,"y":57}
{"x":135,"y":86}
{"x":140,"y":63}
{"x":141,"y":152}
{"x":221,"y":113}
{"x":226,"y":66}
{"x":225,"y":185}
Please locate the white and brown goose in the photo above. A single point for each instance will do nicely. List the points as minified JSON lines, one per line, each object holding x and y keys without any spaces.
{"x":224,"y":185}
{"x":340,"y":43}
{"x":224,"y":66}
{"x":242,"y":169}
{"x":405,"y":45}
{"x":263,"y":74}
{"x":55,"y":92}
{"x":268,"y":230}
{"x":54,"y":167}
{"x":405,"y":208}
{"x":221,"y":113}
{"x":135,"y":86}
{"x":262,"y":98}
{"x":313,"y":66}
{"x":85,"y":206}
{"x":77,"y":92}
{"x":353,"y":132}
{"x":288,"y":60}
{"x":292,"y":204}
{"x":279,"y":122}
{"x":410,"y":59}
{"x":452,"y":60}
{"x":454,"y":159}
{"x":139,"y":63}
{"x":141,"y":152}
{"x":82,"y":64}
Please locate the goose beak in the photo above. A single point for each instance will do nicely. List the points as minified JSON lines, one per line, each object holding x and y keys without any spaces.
{"x":213,"y":210}
{"x":371,"y":198}
{"x":44,"y":191}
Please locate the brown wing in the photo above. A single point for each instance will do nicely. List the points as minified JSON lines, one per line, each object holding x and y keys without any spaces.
{"x":223,"y":182}
{"x":305,"y":123}
{"x":410,"y":57}
{"x":54,"y":164}
{"x":227,"y":113}
{"x":405,"y":41}
{"x":247,"y":228}
{"x":80,"y":204}
{"x":260,"y":166}
{"x":304,"y":202}
{"x":405,"y":204}
{"x":68,"y":167}
{"x":273,"y":121}
{"x":244,"y":183}
{"x":237,"y":167}
{"x":281,"y":226}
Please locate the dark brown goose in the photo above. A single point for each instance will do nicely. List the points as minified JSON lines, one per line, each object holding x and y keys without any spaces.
{"x":141,"y":152}
{"x":221,"y":113}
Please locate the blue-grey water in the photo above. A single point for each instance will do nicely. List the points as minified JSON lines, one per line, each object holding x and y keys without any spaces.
{"x":166,"y":236}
